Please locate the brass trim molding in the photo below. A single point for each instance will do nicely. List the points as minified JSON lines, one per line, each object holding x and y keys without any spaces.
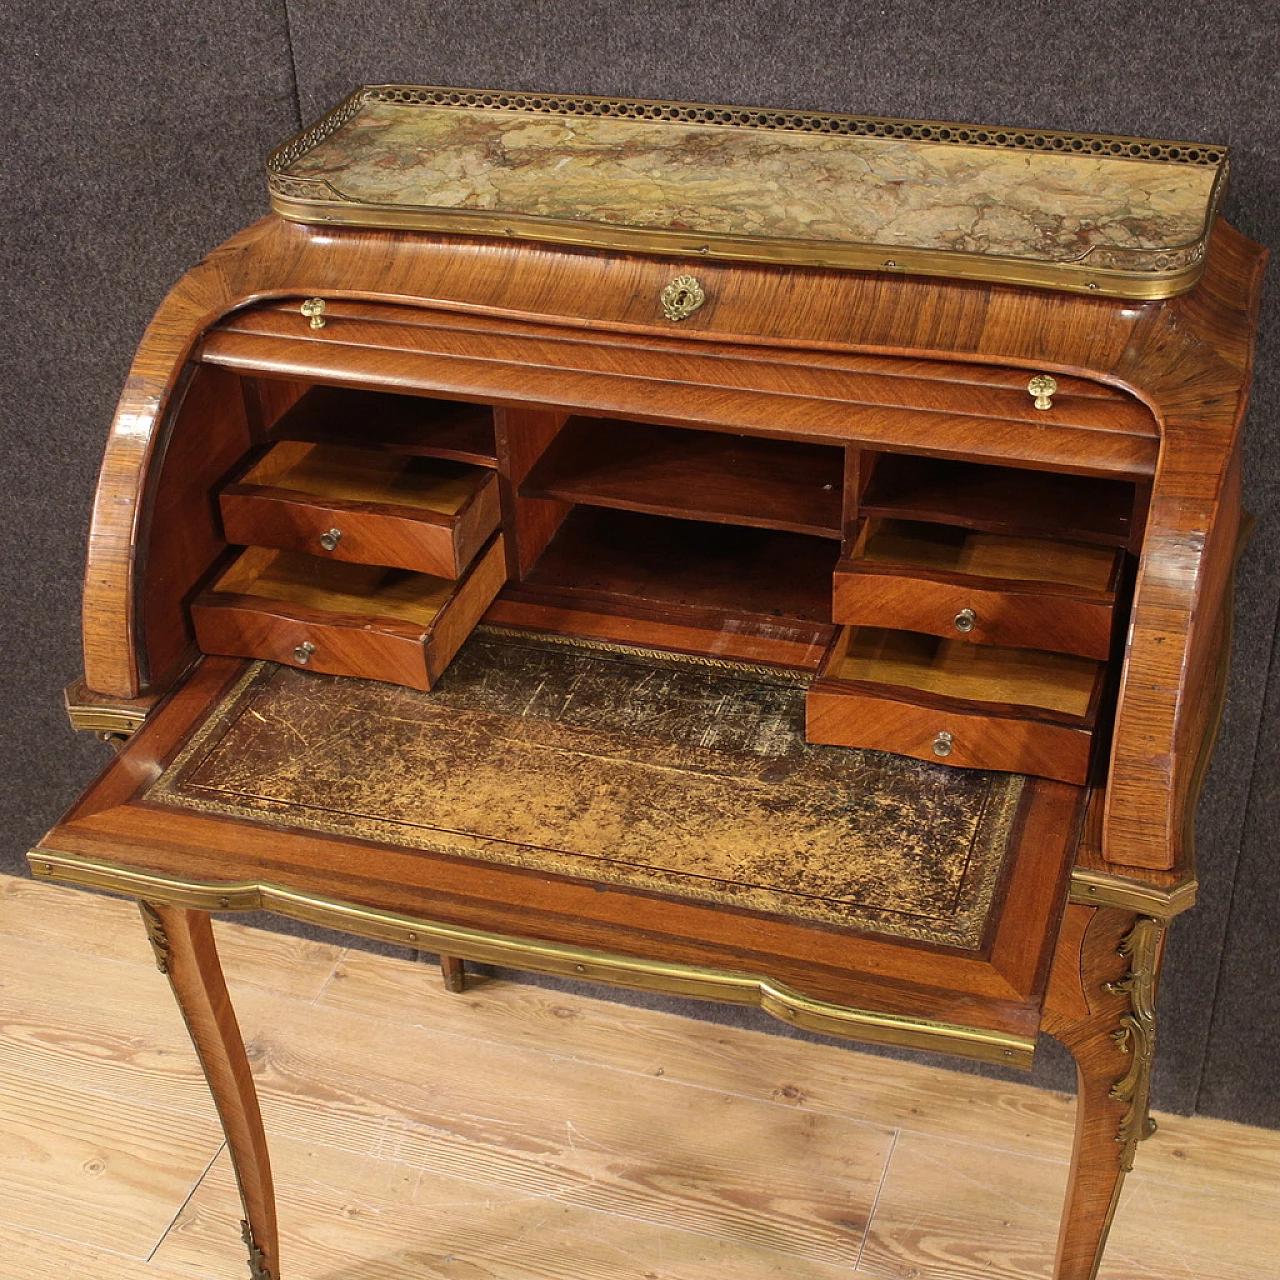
{"x":1105,"y":889}
{"x":101,"y":719}
{"x":723,"y":985}
{"x":1110,"y":271}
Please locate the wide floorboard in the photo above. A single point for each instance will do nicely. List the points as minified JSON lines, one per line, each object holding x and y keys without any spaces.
{"x":519,"y":1133}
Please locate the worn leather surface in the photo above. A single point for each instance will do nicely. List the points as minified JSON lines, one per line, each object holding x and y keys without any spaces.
{"x":656,"y":772}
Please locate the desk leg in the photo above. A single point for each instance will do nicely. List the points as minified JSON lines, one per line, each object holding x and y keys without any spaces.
{"x":186,"y":953}
{"x":1101,"y":1005}
{"x":454,"y":974}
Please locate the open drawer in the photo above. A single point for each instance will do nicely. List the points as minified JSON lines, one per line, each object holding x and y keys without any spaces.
{"x":364,"y":506}
{"x":991,"y":588}
{"x":345,"y":619}
{"x":976,"y":706}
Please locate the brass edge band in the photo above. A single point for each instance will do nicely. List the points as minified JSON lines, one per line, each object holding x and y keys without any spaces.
{"x":722,"y":985}
{"x":1072,"y":277}
{"x":1104,"y":889}
{"x":104,"y":719}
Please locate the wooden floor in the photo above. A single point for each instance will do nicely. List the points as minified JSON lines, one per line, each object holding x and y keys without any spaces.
{"x":513,"y":1133}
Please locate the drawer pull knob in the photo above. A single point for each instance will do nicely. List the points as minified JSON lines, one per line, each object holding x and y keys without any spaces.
{"x":302,"y":654}
{"x":1042,"y":386}
{"x":965,"y":620}
{"x":681,"y":298}
{"x":313,"y":309}
{"x":330,"y":538}
{"x":942,"y":744}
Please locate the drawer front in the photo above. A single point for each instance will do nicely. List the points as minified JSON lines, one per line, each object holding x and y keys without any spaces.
{"x":297,"y":637}
{"x":362,"y":533}
{"x":954,"y":608}
{"x":949,"y":733}
{"x":369,"y":645}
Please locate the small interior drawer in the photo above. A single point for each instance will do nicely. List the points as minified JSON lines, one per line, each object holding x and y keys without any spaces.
{"x":345,"y":619}
{"x":990,"y":588}
{"x":975,"y":706}
{"x":364,"y":506}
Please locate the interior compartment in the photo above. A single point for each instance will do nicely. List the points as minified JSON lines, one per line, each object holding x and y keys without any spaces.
{"x":1005,"y":500}
{"x":394,"y":423}
{"x":361,"y":591}
{"x":705,"y":475}
{"x":428,"y":514}
{"x":341,"y":474}
{"x":1022,"y":678}
{"x":980,"y":588}
{"x":951,"y":549}
{"x":689,"y":564}
{"x":345,"y":619}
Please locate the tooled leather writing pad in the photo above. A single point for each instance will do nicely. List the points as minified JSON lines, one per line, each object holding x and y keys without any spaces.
{"x":653,"y":772}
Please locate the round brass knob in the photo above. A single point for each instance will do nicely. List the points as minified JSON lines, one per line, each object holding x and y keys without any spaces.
{"x":1042,"y":386}
{"x":330,"y":538}
{"x":965,"y":620}
{"x":942,"y":743}
{"x":302,"y":654}
{"x":313,"y":309}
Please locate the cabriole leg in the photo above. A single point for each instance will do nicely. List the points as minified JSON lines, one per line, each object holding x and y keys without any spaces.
{"x":1101,"y":1005}
{"x":186,"y":953}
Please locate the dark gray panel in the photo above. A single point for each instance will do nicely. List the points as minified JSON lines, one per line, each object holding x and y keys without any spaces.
{"x":1243,"y":1062}
{"x":134,"y":142}
{"x":1197,"y":72}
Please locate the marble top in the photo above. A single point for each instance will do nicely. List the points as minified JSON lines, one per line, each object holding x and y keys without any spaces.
{"x":757,"y":185}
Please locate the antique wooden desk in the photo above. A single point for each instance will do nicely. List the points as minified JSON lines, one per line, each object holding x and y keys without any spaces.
{"x":771,"y":558}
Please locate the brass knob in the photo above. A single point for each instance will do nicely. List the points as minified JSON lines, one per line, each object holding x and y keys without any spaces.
{"x":313,"y":309}
{"x":942,"y":743}
{"x":302,"y":654}
{"x":681,"y":298}
{"x":965,"y":619}
{"x":1042,"y":386}
{"x":330,"y":538}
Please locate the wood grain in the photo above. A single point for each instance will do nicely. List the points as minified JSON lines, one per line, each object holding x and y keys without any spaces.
{"x":515,"y":324}
{"x":188,"y":955}
{"x":369,"y":1219}
{"x":1201,"y":1202}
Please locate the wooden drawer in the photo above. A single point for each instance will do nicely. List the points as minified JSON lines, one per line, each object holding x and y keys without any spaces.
{"x":345,"y":619}
{"x":364,"y":506}
{"x":975,"y":706}
{"x":989,"y":588}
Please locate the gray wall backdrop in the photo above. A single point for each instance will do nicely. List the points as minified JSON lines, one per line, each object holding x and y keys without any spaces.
{"x":133,"y":143}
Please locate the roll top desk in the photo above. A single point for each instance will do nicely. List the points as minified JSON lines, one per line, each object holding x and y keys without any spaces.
{"x":645,"y":610}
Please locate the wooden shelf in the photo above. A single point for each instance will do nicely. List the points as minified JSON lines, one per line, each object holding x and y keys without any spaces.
{"x":703,"y":475}
{"x":392,"y":423}
{"x":1006,"y":500}
{"x":689,"y":565}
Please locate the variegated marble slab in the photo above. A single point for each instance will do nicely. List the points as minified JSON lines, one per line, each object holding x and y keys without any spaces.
{"x":1077,"y":211}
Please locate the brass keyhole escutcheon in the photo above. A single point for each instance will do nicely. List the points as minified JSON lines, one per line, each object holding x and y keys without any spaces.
{"x":942,"y":743}
{"x":313,"y":309}
{"x":302,"y":654}
{"x":330,"y":538}
{"x":965,"y":620}
{"x":682,"y":297}
{"x":1042,"y":386}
